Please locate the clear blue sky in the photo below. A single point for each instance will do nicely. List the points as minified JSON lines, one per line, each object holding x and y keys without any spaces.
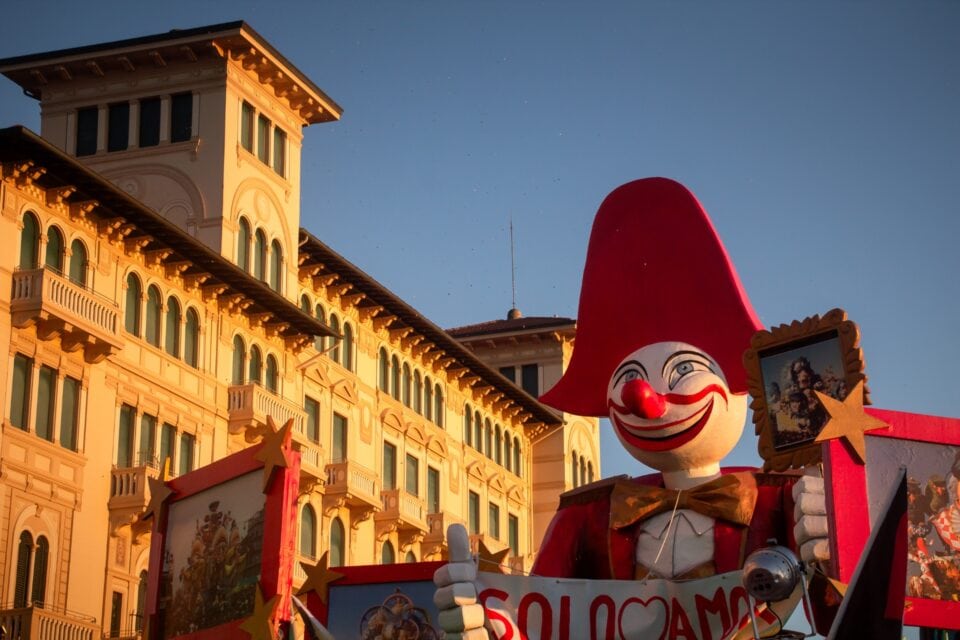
{"x":822,"y":137}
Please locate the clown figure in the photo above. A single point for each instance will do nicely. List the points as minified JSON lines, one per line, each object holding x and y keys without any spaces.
{"x":662,"y":327}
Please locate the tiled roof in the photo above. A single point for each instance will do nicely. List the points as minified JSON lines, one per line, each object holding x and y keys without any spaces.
{"x":533,"y":323}
{"x":57,"y":169}
{"x":314,"y":251}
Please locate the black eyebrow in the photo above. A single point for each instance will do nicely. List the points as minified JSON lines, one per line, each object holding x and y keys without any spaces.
{"x":616,"y":374}
{"x":684,"y":352}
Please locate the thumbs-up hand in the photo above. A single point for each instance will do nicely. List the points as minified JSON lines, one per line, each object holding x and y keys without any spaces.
{"x":461,"y":617}
{"x":810,"y":514}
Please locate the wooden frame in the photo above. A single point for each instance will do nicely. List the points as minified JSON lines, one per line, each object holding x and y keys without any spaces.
{"x":222,"y":496}
{"x":925,"y":445}
{"x":784,"y":365}
{"x":355,"y":597}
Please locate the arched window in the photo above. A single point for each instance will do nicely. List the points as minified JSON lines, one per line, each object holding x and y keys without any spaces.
{"x":347,"y":346}
{"x":259,"y":255}
{"x":517,"y":469}
{"x":590,"y":472}
{"x":427,"y":398}
{"x":39,"y":589}
{"x":24,"y":551}
{"x":417,"y":392}
{"x":321,"y":315}
{"x":507,"y":450}
{"x":131,"y":312}
{"x":276,"y":265}
{"x":29,"y":242}
{"x":141,"y":615}
{"x":467,"y":425}
{"x":171,"y":333}
{"x":488,"y":438}
{"x":438,"y":405}
{"x":583,"y":470}
{"x":573,"y":468}
{"x":477,"y":431}
{"x":191,"y":339}
{"x":256,"y":365}
{"x":308,"y":532}
{"x":334,"y":353}
{"x":53,"y":257}
{"x":338,"y":550}
{"x":383,"y":365}
{"x":273,"y":374}
{"x":239,"y":356}
{"x":78,"y":263}
{"x":151,"y":329}
{"x":498,"y":445}
{"x":410,"y":557}
{"x":407,"y":382}
{"x":395,"y":377}
{"x":387,"y":555}
{"x":243,"y":245}
{"x":305,"y":304}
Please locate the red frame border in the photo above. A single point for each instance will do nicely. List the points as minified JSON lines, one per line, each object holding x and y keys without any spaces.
{"x":277,"y":557}
{"x":846,"y":489}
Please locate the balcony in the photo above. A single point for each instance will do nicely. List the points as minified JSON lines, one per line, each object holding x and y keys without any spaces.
{"x":406,"y":509}
{"x":38,"y":623}
{"x":129,"y":494}
{"x":299,"y":575}
{"x":248,"y":406}
{"x":435,"y":540}
{"x":61,"y":308}
{"x":354,"y":486}
{"x":312,"y":472}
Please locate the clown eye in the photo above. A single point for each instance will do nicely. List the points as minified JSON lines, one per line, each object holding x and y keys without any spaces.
{"x":628,"y":373}
{"x":684,"y":368}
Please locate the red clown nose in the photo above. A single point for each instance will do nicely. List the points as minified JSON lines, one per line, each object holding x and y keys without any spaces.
{"x":641,"y":400}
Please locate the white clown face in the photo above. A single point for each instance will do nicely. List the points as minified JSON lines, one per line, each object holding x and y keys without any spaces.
{"x":671,"y":408}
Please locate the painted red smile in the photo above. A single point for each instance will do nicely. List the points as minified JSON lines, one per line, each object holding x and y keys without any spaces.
{"x":664,"y":443}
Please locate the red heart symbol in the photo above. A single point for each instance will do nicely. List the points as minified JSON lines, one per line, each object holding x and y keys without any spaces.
{"x":644,"y":620}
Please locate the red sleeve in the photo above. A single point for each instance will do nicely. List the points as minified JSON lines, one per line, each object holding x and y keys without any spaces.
{"x":575,"y":544}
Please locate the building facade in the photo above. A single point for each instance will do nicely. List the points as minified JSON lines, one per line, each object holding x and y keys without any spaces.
{"x":533,"y":353}
{"x":160,"y":300}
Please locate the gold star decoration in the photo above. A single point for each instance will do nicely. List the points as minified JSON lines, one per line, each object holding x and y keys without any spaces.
{"x":489,"y":561}
{"x":159,"y":492}
{"x":319,"y":577}
{"x":260,"y":625}
{"x":275,"y":449}
{"x":849,"y":421}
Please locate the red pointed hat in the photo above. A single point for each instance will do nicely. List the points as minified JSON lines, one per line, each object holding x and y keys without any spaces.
{"x":656,"y":271}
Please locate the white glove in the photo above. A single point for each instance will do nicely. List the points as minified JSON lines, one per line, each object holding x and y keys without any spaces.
{"x":461,"y":617}
{"x":810,"y":514}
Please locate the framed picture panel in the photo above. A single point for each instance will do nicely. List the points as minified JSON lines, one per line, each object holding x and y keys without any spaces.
{"x":928,"y":447}
{"x":221,"y":535}
{"x":786,"y":366}
{"x":374,"y":601}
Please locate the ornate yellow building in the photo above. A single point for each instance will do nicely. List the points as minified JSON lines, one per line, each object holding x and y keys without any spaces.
{"x":160,"y":299}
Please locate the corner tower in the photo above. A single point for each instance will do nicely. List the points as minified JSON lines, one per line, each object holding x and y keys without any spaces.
{"x":203,"y":125}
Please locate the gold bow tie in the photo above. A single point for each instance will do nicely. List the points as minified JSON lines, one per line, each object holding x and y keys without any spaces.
{"x":730,"y":497}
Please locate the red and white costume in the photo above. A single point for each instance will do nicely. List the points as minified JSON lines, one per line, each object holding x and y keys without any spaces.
{"x":592,"y":535}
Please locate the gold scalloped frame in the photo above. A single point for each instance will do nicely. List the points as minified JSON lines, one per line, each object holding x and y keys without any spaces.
{"x":798,"y":331}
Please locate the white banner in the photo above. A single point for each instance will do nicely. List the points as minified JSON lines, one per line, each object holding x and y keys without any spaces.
{"x":534,"y":608}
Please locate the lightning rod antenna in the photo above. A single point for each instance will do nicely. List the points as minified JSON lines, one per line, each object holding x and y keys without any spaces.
{"x":513,"y":269}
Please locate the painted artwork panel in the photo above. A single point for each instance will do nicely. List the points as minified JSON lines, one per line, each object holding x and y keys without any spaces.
{"x":933,"y":510}
{"x":790,"y":379}
{"x":212,"y":558}
{"x":384,"y":610}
